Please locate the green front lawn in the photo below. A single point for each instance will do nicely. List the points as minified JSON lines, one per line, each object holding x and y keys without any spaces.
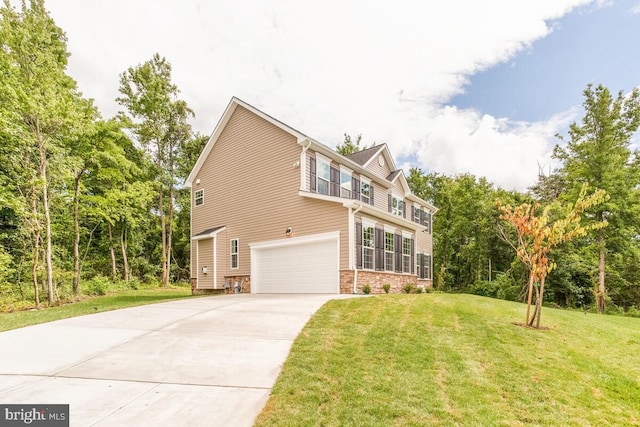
{"x":440,"y":359}
{"x":122,"y":299}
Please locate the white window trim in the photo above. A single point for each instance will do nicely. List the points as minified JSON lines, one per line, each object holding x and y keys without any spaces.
{"x":387,"y":230}
{"x":322,"y":159}
{"x":195,"y":197}
{"x":398,"y":205}
{"x":365,"y":181}
{"x":237,"y":254}
{"x":346,"y":185}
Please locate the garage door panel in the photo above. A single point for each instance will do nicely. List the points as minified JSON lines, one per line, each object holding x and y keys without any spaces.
{"x":309,"y":267}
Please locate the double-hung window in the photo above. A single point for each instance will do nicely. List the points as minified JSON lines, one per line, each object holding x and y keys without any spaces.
{"x":406,"y":255}
{"x":345,"y":183}
{"x":397,"y":206}
{"x":388,"y":250}
{"x":198,"y":197}
{"x":234,"y":253}
{"x":368,"y":247}
{"x":365,"y":191}
{"x":323,"y":175}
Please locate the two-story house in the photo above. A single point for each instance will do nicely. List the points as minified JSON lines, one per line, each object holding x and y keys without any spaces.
{"x":275,"y":211}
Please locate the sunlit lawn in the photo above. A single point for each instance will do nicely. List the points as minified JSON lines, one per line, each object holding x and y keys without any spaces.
{"x":440,"y":359}
{"x":122,"y":299}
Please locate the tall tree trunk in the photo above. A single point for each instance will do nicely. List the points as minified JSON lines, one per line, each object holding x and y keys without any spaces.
{"x":163,"y":227}
{"x":601,"y":265}
{"x":540,"y":302}
{"x":42,"y":148}
{"x":529,"y":296}
{"x":76,"y":235}
{"x":169,"y":233}
{"x":123,"y":247}
{"x":112,"y":252}
{"x":36,"y":246}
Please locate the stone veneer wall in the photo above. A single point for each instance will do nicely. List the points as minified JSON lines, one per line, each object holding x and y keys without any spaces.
{"x":376,"y":279}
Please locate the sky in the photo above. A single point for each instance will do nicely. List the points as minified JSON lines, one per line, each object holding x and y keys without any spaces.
{"x":452,"y":87}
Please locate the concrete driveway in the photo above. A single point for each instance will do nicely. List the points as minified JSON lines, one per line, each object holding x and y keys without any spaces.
{"x":207,"y":361}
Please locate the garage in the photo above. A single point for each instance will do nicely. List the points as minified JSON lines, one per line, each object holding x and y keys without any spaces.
{"x":307,"y":264}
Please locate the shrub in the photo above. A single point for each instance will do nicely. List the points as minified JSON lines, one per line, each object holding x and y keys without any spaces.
{"x":98,"y":285}
{"x":366,"y":289}
{"x":408,"y":288}
{"x":419,"y":290}
{"x":386,"y":288}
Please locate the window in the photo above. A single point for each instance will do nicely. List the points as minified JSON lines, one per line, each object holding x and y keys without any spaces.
{"x":199,"y":197}
{"x":397,"y":206}
{"x":423,"y":266}
{"x":365,"y":191}
{"x":323,"y":175}
{"x":388,"y":251}
{"x":368,"y":245}
{"x":417,"y":214}
{"x":345,"y":183}
{"x":406,"y":255}
{"x":234,"y":253}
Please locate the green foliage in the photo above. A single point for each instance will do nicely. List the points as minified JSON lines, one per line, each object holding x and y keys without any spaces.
{"x":98,"y":285}
{"x":366,"y":289}
{"x":348,"y":147}
{"x":407,"y":288}
{"x":386,"y":287}
{"x":419,"y":290}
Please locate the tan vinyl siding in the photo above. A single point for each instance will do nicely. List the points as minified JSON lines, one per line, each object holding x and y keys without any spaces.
{"x":205,"y":257}
{"x":251,"y":187}
{"x":376,"y":169}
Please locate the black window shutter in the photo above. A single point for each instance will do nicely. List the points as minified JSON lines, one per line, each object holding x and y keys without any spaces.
{"x":427,"y":266}
{"x":398,"y":252}
{"x":389,"y":202}
{"x":355,"y":188}
{"x":312,"y":168}
{"x":334,"y":175}
{"x":404,"y":209}
{"x":427,"y":221}
{"x":421,"y":266}
{"x":413,"y":257}
{"x":379,"y":249}
{"x":422,"y":216}
{"x":358,"y":245}
{"x":371,"y":194}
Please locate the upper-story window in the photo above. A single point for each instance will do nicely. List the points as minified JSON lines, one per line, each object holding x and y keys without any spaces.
{"x":396,"y":205}
{"x":198,"y":197}
{"x":422,"y":217}
{"x":323,"y":175}
{"x":345,"y":183}
{"x":365,"y":190}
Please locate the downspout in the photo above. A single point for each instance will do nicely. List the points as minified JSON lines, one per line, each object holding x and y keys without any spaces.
{"x":353,"y":262}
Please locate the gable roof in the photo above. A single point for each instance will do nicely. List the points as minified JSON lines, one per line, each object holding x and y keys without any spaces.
{"x":228,"y":112}
{"x":364,"y":156}
{"x":358,"y":161}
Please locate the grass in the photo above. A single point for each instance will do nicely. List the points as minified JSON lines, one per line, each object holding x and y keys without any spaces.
{"x":441,"y":359}
{"x":123,"y":299}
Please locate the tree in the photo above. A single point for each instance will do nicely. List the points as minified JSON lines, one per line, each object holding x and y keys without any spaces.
{"x":348,"y":147}
{"x":538,"y":234}
{"x":40,"y":108}
{"x":598,"y":153}
{"x":158,"y":120}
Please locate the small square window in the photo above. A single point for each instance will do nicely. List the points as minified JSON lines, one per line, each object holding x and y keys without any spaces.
{"x":199,"y":197}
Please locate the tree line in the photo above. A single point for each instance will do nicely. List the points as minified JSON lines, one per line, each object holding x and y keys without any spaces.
{"x":83,"y":196}
{"x":600,"y":269}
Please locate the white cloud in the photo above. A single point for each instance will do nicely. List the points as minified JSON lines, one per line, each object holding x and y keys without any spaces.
{"x":383,"y":69}
{"x":635,"y":9}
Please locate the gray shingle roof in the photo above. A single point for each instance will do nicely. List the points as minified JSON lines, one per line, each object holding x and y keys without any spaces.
{"x":362,"y":157}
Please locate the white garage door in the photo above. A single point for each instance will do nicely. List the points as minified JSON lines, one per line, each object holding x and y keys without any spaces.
{"x":298,"y":265}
